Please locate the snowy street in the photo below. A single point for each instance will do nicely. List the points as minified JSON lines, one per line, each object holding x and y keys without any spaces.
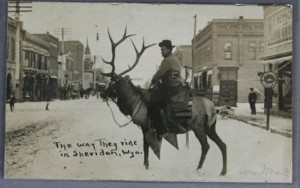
{"x":79,"y":140}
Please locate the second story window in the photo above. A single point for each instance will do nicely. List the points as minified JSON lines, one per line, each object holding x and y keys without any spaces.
{"x":228,"y":51}
{"x":252,"y":50}
{"x":209,"y":53}
{"x":7,"y":48}
{"x":262,"y":46}
{"x":39,"y":62}
{"x":46,"y":63}
{"x":13,"y":49}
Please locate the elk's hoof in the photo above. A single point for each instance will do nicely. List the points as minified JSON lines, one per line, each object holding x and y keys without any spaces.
{"x":223,"y":173}
{"x":146,"y":166}
{"x":199,"y":167}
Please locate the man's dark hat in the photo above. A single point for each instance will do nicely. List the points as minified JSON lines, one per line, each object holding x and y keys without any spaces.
{"x":166,"y":43}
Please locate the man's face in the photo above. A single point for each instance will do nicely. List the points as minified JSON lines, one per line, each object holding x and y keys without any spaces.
{"x":165,"y":51}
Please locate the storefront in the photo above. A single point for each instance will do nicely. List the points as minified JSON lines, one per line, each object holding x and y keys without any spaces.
{"x":228,"y":86}
{"x":282,"y":67}
{"x":279,"y":55}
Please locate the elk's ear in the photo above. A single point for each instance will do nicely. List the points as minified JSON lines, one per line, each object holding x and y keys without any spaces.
{"x":127,"y":77}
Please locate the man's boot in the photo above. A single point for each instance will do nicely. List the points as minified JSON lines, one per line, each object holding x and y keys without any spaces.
{"x":165,"y":127}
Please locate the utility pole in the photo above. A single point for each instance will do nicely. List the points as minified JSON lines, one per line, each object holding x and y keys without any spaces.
{"x":62,"y":31}
{"x":95,"y":71}
{"x":193,"y":51}
{"x":17,"y":9}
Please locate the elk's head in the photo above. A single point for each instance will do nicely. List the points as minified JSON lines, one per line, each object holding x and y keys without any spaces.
{"x":118,"y":82}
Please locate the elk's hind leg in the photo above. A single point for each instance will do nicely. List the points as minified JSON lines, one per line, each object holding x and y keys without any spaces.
{"x":201,"y":136}
{"x":212,"y":134}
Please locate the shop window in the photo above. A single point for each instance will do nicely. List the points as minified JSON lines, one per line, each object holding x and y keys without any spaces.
{"x":200,"y":83}
{"x":209,"y":81}
{"x":195,"y":82}
{"x":228,"y":75}
{"x":204,"y":80}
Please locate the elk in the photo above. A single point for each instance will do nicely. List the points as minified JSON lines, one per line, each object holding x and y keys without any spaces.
{"x":133,"y":101}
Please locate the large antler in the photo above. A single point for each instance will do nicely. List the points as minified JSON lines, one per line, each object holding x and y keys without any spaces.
{"x":113,"y":49}
{"x":138,"y":55}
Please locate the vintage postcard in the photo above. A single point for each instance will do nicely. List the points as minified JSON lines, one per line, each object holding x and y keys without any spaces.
{"x":149,"y":92}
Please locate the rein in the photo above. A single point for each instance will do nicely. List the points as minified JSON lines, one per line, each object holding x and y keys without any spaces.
{"x":112,"y":113}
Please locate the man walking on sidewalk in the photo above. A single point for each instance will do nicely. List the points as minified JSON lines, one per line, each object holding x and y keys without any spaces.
{"x":252,"y":100}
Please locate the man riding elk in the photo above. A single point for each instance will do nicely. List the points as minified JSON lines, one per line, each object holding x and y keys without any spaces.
{"x":167,"y":82}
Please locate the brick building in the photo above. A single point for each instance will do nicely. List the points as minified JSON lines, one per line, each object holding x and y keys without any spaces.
{"x":53,"y":61}
{"x":75,"y":51}
{"x":227,"y":59}
{"x":278,"y":54}
{"x":35,"y":68}
{"x":12,"y":61}
{"x":184,"y":54}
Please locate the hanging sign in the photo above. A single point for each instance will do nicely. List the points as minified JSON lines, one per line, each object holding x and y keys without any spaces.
{"x":268,"y":79}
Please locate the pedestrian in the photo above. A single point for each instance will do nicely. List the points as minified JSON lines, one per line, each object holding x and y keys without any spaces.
{"x":48,"y":97}
{"x":81,"y":93}
{"x":12,"y":102}
{"x":252,"y":100}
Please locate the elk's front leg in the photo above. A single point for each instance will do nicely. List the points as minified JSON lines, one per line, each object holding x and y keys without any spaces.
{"x":146,"y":151}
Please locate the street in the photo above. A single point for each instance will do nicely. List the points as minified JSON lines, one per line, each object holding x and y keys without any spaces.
{"x":78,"y":139}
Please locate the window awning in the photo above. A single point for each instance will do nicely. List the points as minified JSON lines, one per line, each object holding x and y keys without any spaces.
{"x":197,"y":74}
{"x":52,"y":76}
{"x":278,"y":60}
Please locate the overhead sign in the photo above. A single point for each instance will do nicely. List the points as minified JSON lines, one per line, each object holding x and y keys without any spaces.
{"x":268,"y":79}
{"x":279,"y":26}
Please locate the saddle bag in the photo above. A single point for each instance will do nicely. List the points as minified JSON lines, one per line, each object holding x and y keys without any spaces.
{"x":180,"y":104}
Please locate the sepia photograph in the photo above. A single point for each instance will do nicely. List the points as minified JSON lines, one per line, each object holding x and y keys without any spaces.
{"x":149,"y":92}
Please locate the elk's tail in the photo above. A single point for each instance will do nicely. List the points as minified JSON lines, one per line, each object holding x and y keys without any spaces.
{"x":187,"y":139}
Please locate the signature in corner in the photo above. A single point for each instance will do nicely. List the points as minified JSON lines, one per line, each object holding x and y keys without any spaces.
{"x":267,"y":171}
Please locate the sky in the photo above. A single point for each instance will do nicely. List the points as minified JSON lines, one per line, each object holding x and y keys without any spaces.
{"x":153,"y":22}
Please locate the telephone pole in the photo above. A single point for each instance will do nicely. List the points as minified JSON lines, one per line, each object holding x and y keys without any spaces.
{"x":62,"y":31}
{"x":17,"y":8}
{"x":193,"y":51}
{"x":94,"y":72}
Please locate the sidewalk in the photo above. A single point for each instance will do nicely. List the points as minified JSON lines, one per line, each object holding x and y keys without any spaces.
{"x":278,"y":125}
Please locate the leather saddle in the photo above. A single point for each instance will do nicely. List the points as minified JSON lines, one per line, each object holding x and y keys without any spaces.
{"x":180,"y":104}
{"x":179,"y":110}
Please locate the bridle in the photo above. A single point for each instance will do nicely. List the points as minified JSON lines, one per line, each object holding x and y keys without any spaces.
{"x":112,"y":113}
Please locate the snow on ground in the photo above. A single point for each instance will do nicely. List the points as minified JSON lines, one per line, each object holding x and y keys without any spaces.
{"x":42,"y":144}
